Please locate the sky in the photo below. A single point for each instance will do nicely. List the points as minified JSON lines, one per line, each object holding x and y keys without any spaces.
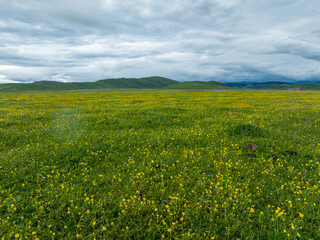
{"x":222,"y":40}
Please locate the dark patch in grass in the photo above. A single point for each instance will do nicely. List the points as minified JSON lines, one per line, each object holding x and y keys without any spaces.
{"x":252,"y":146}
{"x":274,"y":157}
{"x":158,"y":166}
{"x":307,"y":156}
{"x":291,"y":152}
{"x":246,"y":130}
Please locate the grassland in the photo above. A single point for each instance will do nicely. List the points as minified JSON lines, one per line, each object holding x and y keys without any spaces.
{"x":152,"y":165}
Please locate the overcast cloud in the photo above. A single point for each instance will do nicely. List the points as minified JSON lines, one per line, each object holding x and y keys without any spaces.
{"x":224,"y":40}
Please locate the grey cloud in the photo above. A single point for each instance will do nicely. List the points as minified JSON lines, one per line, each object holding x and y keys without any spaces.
{"x":299,"y":48}
{"x":316,"y":33}
{"x":230,"y":40}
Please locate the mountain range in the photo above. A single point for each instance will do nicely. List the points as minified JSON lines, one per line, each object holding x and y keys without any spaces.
{"x":156,"y":82}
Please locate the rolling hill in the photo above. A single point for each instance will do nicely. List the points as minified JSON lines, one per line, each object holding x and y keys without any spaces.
{"x":157,"y":83}
{"x":141,"y":83}
{"x":120,"y":83}
{"x":210,"y":85}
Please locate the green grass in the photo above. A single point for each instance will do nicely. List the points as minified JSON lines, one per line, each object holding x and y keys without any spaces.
{"x":152,"y":165}
{"x":246,"y":130}
{"x":210,"y":85}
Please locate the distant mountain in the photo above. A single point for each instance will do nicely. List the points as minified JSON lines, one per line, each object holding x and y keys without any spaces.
{"x":276,"y":85}
{"x":237,"y":84}
{"x":244,"y":84}
{"x":283,"y":86}
{"x":159,"y":83}
{"x":211,"y":85}
{"x":120,"y":83}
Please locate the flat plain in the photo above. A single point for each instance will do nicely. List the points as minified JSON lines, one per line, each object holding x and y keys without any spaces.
{"x":152,"y":165}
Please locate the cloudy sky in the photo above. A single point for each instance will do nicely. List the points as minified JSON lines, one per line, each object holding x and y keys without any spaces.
{"x":224,"y":40}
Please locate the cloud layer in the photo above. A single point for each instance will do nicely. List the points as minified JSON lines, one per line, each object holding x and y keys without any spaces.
{"x":224,"y":40}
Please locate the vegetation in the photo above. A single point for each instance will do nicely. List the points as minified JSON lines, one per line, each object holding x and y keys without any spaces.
{"x":246,"y":130}
{"x":152,"y":165}
{"x":121,"y":83}
{"x":211,"y":85}
{"x":282,"y":86}
{"x":154,"y":83}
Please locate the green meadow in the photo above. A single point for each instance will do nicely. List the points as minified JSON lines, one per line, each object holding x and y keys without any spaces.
{"x":160,"y":165}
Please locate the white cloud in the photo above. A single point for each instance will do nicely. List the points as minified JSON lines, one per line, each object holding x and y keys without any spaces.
{"x":24,"y":74}
{"x":61,"y":78}
{"x":4,"y":79}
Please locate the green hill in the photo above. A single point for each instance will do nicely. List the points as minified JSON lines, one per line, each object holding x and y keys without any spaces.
{"x":141,"y":83}
{"x":283,"y":86}
{"x":211,"y":85}
{"x":155,"y":83}
{"x":120,"y":83}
